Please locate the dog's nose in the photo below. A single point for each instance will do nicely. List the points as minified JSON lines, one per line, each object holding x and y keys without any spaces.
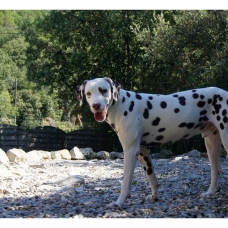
{"x":96,"y":106}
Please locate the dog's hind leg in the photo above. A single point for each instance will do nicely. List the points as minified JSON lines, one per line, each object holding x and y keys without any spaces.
{"x":213,"y":144}
{"x":146,"y":161}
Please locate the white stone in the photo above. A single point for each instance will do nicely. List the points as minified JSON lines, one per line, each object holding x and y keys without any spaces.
{"x":3,"y":158}
{"x":75,"y":154}
{"x":16,"y":155}
{"x":46,"y":154}
{"x":55,"y":155}
{"x":65,"y":154}
{"x":34,"y":155}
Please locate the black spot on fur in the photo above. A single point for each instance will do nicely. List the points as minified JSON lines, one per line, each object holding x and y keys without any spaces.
{"x":146,"y":113}
{"x":194,"y":90}
{"x":139,"y":97}
{"x":202,"y":97}
{"x":204,"y":118}
{"x":150,"y":97}
{"x":190,"y":125}
{"x":128,"y":94}
{"x":123,"y":99}
{"x":141,"y":154}
{"x":144,"y":168}
{"x":204,"y":112}
{"x":163,"y":104}
{"x":161,"y":129}
{"x":156,"y":121}
{"x":225,"y":119}
{"x":182,"y":124}
{"x":182,"y":101}
{"x":149,"y":105}
{"x":160,"y":137}
{"x":224,"y":112}
{"x":217,"y":108}
{"x":149,"y":164}
{"x":131,"y":106}
{"x":215,"y":132}
{"x":220,"y":98}
{"x":145,"y":134}
{"x":213,"y":112}
{"x":209,"y":101}
{"x":195,"y":95}
{"x":221,"y":126}
{"x":175,"y":95}
{"x":227,"y":102}
{"x":149,"y":171}
{"x":201,"y":104}
{"x":145,"y":158}
{"x":218,"y":118}
{"x":176,"y":110}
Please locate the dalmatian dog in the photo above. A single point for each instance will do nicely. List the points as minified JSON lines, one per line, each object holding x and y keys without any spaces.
{"x":144,"y":120}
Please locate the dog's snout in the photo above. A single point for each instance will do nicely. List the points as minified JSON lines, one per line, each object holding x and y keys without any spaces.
{"x":96,"y":106}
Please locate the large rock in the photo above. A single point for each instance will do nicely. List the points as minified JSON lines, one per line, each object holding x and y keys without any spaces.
{"x":3,"y":157}
{"x":16,"y":155}
{"x":114,"y":155}
{"x":194,"y":153}
{"x":65,"y":154}
{"x":34,"y":155}
{"x":103,"y":155}
{"x":88,"y":153}
{"x":56,"y":155}
{"x":76,"y":154}
{"x":166,"y":154}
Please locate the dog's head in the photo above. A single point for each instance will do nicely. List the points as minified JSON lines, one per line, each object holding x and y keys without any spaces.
{"x":100,"y":94}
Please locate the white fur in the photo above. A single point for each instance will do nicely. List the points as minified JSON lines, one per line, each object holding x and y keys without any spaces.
{"x":142,"y":120}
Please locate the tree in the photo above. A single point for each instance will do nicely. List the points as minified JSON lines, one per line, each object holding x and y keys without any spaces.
{"x":190,"y":52}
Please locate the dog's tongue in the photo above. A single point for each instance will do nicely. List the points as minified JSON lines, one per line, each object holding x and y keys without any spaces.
{"x":100,"y":116}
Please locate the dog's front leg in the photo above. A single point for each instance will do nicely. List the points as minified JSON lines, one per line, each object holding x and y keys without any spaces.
{"x":129,"y":166}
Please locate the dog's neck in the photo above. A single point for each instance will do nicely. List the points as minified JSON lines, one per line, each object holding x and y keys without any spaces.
{"x":112,"y":111}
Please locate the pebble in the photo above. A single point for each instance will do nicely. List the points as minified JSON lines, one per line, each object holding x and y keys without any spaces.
{"x":83,"y":188}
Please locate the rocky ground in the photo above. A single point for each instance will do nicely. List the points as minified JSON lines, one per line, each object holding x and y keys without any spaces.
{"x":83,"y":188}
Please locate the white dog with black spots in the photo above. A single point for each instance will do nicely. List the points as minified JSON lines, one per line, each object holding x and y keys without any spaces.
{"x":143,"y":120}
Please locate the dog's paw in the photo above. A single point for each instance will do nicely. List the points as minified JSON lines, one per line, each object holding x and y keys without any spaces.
{"x":207,"y":194}
{"x":152,"y":198}
{"x":115,"y":205}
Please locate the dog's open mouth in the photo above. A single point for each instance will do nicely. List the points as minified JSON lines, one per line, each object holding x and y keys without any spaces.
{"x":100,"y":116}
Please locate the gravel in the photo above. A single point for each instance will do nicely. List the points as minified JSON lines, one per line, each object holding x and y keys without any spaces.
{"x":83,"y":188}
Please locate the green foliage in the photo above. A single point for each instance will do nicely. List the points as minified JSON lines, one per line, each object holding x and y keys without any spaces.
{"x":50,"y":53}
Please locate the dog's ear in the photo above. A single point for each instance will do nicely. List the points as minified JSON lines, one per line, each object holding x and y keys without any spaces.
{"x":115,"y":87}
{"x":81,"y":92}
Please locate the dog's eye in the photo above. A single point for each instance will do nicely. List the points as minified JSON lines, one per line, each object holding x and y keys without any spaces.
{"x":105,"y":91}
{"x":88,"y":94}
{"x":102,"y":91}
